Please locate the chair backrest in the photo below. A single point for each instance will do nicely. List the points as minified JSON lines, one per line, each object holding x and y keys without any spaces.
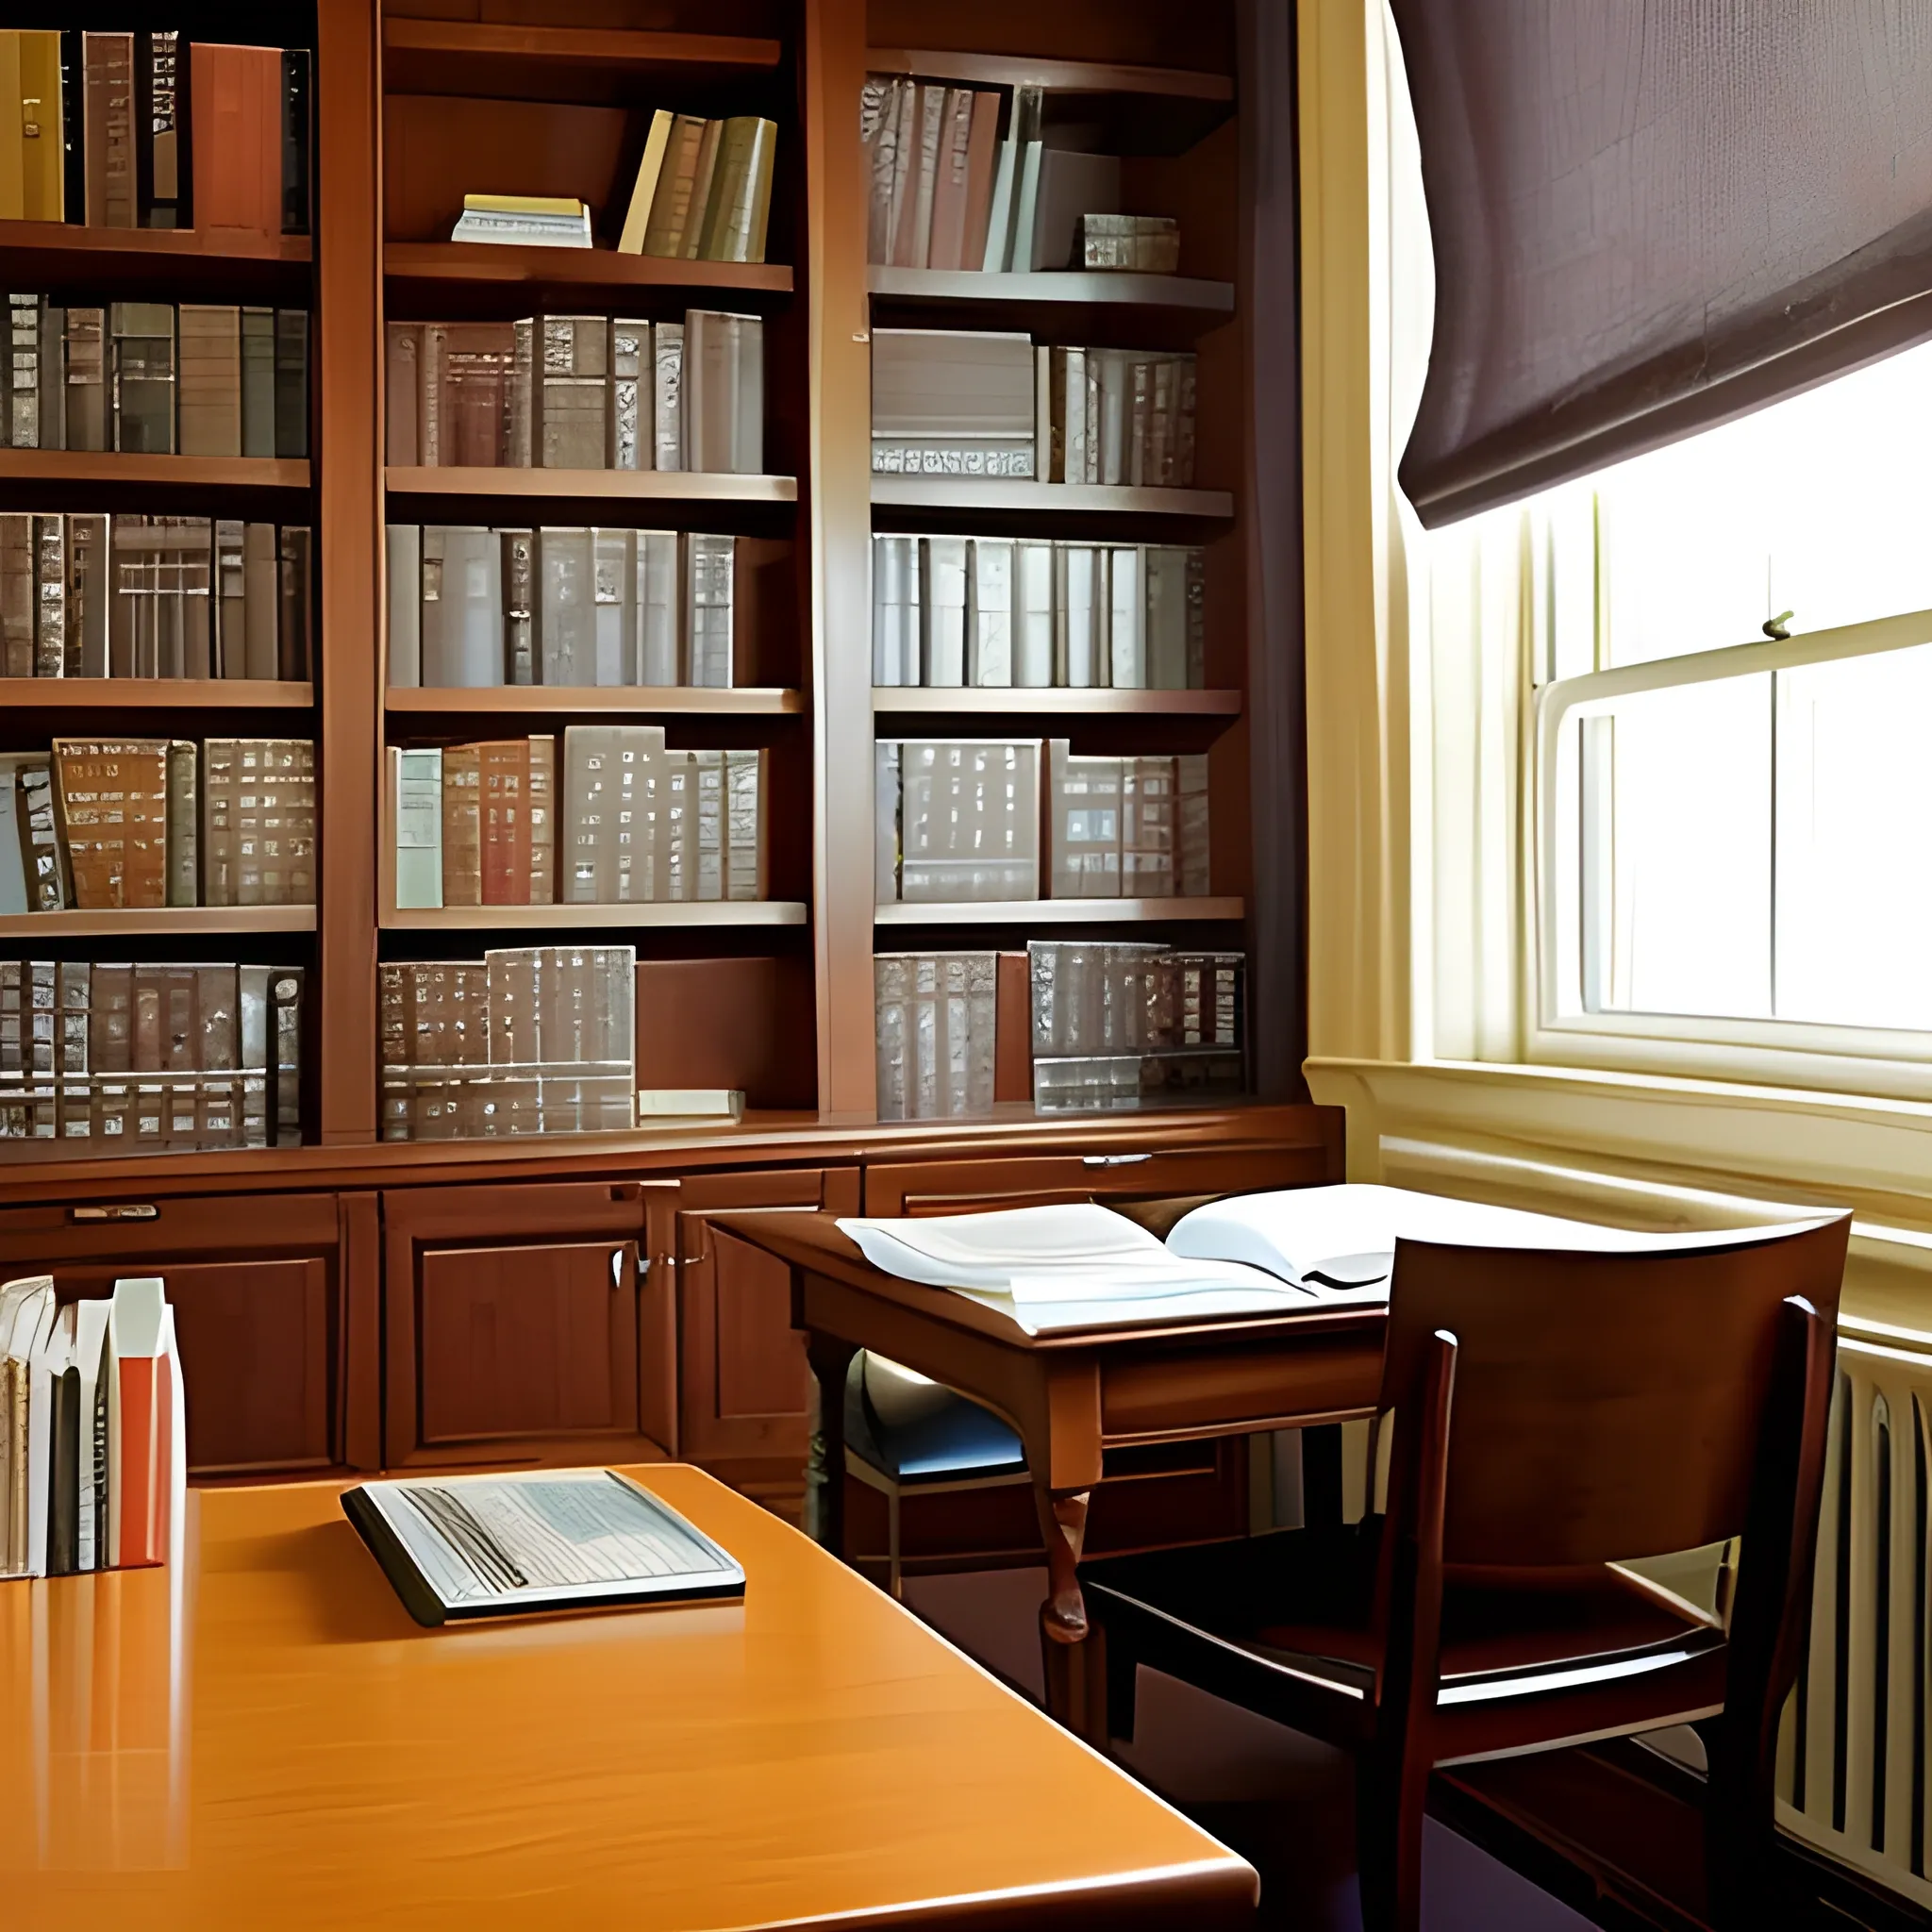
{"x":1606,"y":1406}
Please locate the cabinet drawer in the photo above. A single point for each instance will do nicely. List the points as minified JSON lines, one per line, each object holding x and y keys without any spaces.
{"x":137,"y":1230}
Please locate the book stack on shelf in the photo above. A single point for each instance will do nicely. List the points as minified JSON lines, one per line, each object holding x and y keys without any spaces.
{"x":579,"y":392}
{"x":640,"y":823}
{"x":139,"y":823}
{"x":703,"y":190}
{"x":1127,"y":827}
{"x":93,"y":1422}
{"x":938,"y":1022}
{"x":534,"y":1040}
{"x":194,"y":378}
{"x":536,"y":221}
{"x":476,"y":608}
{"x":147,"y":130}
{"x":153,"y":598}
{"x":159,"y":1056}
{"x":1034,"y":613}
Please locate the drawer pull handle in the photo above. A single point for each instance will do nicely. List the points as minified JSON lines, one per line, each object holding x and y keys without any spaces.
{"x":1113,"y":1159}
{"x":120,"y":1211}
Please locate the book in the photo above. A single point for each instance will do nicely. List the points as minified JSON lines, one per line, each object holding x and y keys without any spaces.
{"x":709,"y":570}
{"x":162,"y":171}
{"x":294,"y":604}
{"x":560,"y":225}
{"x":109,"y":138}
{"x":943,"y":576}
{"x":416,"y":779}
{"x":112,"y":801}
{"x":1071,"y":185}
{"x":879,"y":134}
{"x":298,"y":107}
{"x":26,"y":1313}
{"x":261,"y":601}
{"x":632,"y":444}
{"x":738,"y":199}
{"x":567,"y":610}
{"x":143,"y":376}
{"x":644,"y":187}
{"x":989,"y":619}
{"x":236,"y":102}
{"x":183,"y":818}
{"x":462,"y":826}
{"x":404,"y":559}
{"x":957,"y":820}
{"x":85,"y":367}
{"x":1033,"y":613}
{"x":723,"y":393}
{"x":662,"y":1105}
{"x":947,"y":231}
{"x":43,"y":853}
{"x":292,"y":382}
{"x":461,"y":611}
{"x":574,"y":400}
{"x":1142,"y":244}
{"x":401,"y":380}
{"x":936,"y":1021}
{"x":462,"y":1547}
{"x":147,"y":1425}
{"x":952,"y":402}
{"x":667,"y":399}
{"x":32,"y":169}
{"x":478,"y":365}
{"x":208,"y":379}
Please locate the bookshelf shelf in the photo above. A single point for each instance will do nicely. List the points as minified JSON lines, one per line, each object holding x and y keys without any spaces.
{"x":639,"y":486}
{"x":61,"y":255}
{"x":124,"y":466}
{"x":1046,"y":499}
{"x":559,"y":63}
{"x":558,"y":700}
{"x":581,"y":270}
{"x":123,"y":920}
{"x":1059,"y":76}
{"x":766,"y":912}
{"x":154,"y":694}
{"x":1080,"y":288}
{"x":1021,"y":702}
{"x":1048,"y":912}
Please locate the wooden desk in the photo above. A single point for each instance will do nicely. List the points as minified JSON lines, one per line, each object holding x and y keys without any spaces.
{"x":264,"y":1738}
{"x":1071,"y":1397}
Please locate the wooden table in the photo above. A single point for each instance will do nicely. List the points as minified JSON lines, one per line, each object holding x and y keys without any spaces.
{"x":1071,"y":1397}
{"x":263,"y":1737}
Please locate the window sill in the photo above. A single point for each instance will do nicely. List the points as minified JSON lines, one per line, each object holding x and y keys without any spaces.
{"x":1653,"y":1150}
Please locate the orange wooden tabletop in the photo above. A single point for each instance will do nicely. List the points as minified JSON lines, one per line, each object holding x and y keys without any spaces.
{"x":264,"y":1738}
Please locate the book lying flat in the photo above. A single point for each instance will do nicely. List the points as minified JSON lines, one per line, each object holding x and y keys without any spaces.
{"x":1080,"y":1265}
{"x":458,"y":1547}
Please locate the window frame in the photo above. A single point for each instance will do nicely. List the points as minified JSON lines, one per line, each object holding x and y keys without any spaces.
{"x":1889,"y":1063}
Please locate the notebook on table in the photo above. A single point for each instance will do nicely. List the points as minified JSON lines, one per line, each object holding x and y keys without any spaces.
{"x":467,"y":1546}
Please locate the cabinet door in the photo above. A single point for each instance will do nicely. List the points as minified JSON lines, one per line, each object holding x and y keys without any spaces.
{"x":260,"y":1312}
{"x":512,"y":1317}
{"x":746,"y":1383}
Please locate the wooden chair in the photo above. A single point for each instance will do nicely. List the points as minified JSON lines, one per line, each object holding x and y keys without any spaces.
{"x":1554,"y":1414}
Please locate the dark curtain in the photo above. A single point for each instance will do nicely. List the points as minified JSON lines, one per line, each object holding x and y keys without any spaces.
{"x":1650,"y":216}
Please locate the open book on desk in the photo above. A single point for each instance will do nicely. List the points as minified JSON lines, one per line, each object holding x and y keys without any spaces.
{"x":1079,"y":1265}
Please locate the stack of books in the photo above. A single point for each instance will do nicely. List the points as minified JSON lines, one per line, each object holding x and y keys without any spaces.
{"x":475,"y":608}
{"x":937,"y":1019}
{"x":535,"y":1040}
{"x":957,"y":820}
{"x":104,"y":823}
{"x":703,"y":190}
{"x":93,"y":1427}
{"x":1119,"y":416}
{"x":535,"y":221}
{"x":144,"y":130}
{"x":1002,"y":611}
{"x":163,"y":1056}
{"x":1117,"y":1026}
{"x":580,"y":392}
{"x":948,"y":190}
{"x":1127,"y":827}
{"x":197,"y":379}
{"x":478,"y":825}
{"x":154,"y":596}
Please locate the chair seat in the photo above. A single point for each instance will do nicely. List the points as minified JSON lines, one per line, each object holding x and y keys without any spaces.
{"x":927,"y":1434}
{"x":1300,"y":1603}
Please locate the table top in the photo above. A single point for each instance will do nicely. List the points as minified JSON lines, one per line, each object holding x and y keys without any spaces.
{"x":263,"y":1737}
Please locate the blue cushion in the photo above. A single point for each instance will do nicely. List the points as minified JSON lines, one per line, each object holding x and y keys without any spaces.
{"x":944,"y":1437}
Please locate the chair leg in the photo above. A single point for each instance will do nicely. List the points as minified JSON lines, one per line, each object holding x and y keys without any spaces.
{"x":1390,"y":1792}
{"x":1740,"y":1837}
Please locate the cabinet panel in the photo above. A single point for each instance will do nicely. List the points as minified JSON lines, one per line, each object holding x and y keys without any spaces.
{"x":528,"y":1340}
{"x":761,"y":1366}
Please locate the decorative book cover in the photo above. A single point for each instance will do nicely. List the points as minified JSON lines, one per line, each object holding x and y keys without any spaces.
{"x":113,"y":806}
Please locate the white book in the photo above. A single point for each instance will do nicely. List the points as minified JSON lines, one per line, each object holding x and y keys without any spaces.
{"x":1026,"y":206}
{"x":1116,"y":377}
{"x":1042,"y":413}
{"x":1033,"y":608}
{"x":889,"y":556}
{"x":932,"y":121}
{"x":1126,"y":641}
{"x":1072,"y":416}
{"x":667,"y":394}
{"x":1172,"y":583}
{"x":943,"y":609}
{"x":989,"y":632}
{"x":999,"y":226}
{"x":418,"y":779}
{"x":27,"y":1308}
{"x":613,"y":607}
{"x":1074,"y":615}
{"x":405,"y":606}
{"x":658,"y":586}
{"x":53,"y":1355}
{"x":90,"y":1353}
{"x":659,"y":1103}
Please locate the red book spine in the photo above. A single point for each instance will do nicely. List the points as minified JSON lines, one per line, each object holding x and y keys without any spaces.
{"x":146,"y":1451}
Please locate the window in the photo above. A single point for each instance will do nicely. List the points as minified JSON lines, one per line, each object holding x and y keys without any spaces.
{"x":1734,"y":829}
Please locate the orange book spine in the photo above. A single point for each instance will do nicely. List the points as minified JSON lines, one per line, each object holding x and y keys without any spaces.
{"x":145,"y":1452}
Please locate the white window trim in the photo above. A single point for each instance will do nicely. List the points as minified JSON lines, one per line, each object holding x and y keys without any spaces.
{"x":1845,"y":1059}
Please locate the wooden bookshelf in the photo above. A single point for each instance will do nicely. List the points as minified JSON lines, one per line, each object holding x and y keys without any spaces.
{"x":180,"y":263}
{"x":1050,"y":288}
{"x":1038,"y":701}
{"x":1053,"y":912}
{"x":1007,"y":493}
{"x":427,"y":269}
{"x":561,"y":63}
{"x":695,"y":913}
{"x":543,"y":701}
{"x":126,"y":922}
{"x":1059,"y":76}
{"x":154,"y":694}
{"x":617,"y":486}
{"x":130,"y":467}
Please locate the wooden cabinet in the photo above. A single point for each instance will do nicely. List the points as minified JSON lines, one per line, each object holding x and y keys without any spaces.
{"x":264,"y":1288}
{"x":523,"y":1325}
{"x":744,"y":1382}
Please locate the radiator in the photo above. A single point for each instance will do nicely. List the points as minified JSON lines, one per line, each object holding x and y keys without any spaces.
{"x":1853,"y":1772}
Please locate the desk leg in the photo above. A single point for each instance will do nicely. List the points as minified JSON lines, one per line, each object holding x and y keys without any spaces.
{"x":1073,"y":1656}
{"x":825,"y":1462}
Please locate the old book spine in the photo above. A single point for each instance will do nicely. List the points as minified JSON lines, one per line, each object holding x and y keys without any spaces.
{"x":630,"y":354}
{"x":431,"y":357}
{"x":86,"y":596}
{"x":160,"y":177}
{"x":294,"y":655}
{"x":416,"y":775}
{"x":42,"y":855}
{"x":503,"y":769}
{"x":228,"y":656}
{"x":522,"y":395}
{"x":292,"y":382}
{"x":209,"y":380}
{"x":261,"y":595}
{"x":50,"y":596}
{"x":23,"y":371}
{"x":576,"y":407}
{"x":18,"y":595}
{"x":667,"y":399}
{"x":543,"y":818}
{"x":86,"y":394}
{"x":194,"y":657}
{"x":285,"y":1041}
{"x":235,"y":99}
{"x":142,"y":376}
{"x":298,"y":106}
{"x":711,"y":565}
{"x":184,"y":873}
{"x":221,"y":774}
{"x":111,"y":195}
{"x":401,"y":386}
{"x":52,"y":407}
{"x":519,"y":666}
{"x":113,"y":803}
{"x":257,"y":382}
{"x":462,"y":856}
{"x":404,"y":546}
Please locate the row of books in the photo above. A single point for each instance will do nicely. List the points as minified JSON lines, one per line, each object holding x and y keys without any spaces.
{"x":477,"y":824}
{"x":988,"y":402}
{"x":945,"y":190}
{"x":1095,"y":1026}
{"x":959,"y":821}
{"x":154,"y":596}
{"x":702,"y":188}
{"x":476,"y":609}
{"x":1004,"y":611}
{"x":150,"y":1055}
{"x":530,"y":1040}
{"x":103,"y":823}
{"x":92,"y":1429}
{"x":149,"y":130}
{"x":193,"y":379}
{"x":579,"y":392}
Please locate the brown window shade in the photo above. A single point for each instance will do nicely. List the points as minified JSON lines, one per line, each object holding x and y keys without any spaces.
{"x":1648,"y":219}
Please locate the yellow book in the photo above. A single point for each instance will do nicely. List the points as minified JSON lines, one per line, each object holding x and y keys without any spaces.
{"x":12,"y":179}
{"x":43,"y":161}
{"x":522,"y":205}
{"x":704,"y":175}
{"x":670,"y":206}
{"x":764,"y":152}
{"x":728,"y":210}
{"x":636,"y":217}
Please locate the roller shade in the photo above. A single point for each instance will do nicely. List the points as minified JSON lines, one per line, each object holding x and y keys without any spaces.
{"x":1650,"y":216}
